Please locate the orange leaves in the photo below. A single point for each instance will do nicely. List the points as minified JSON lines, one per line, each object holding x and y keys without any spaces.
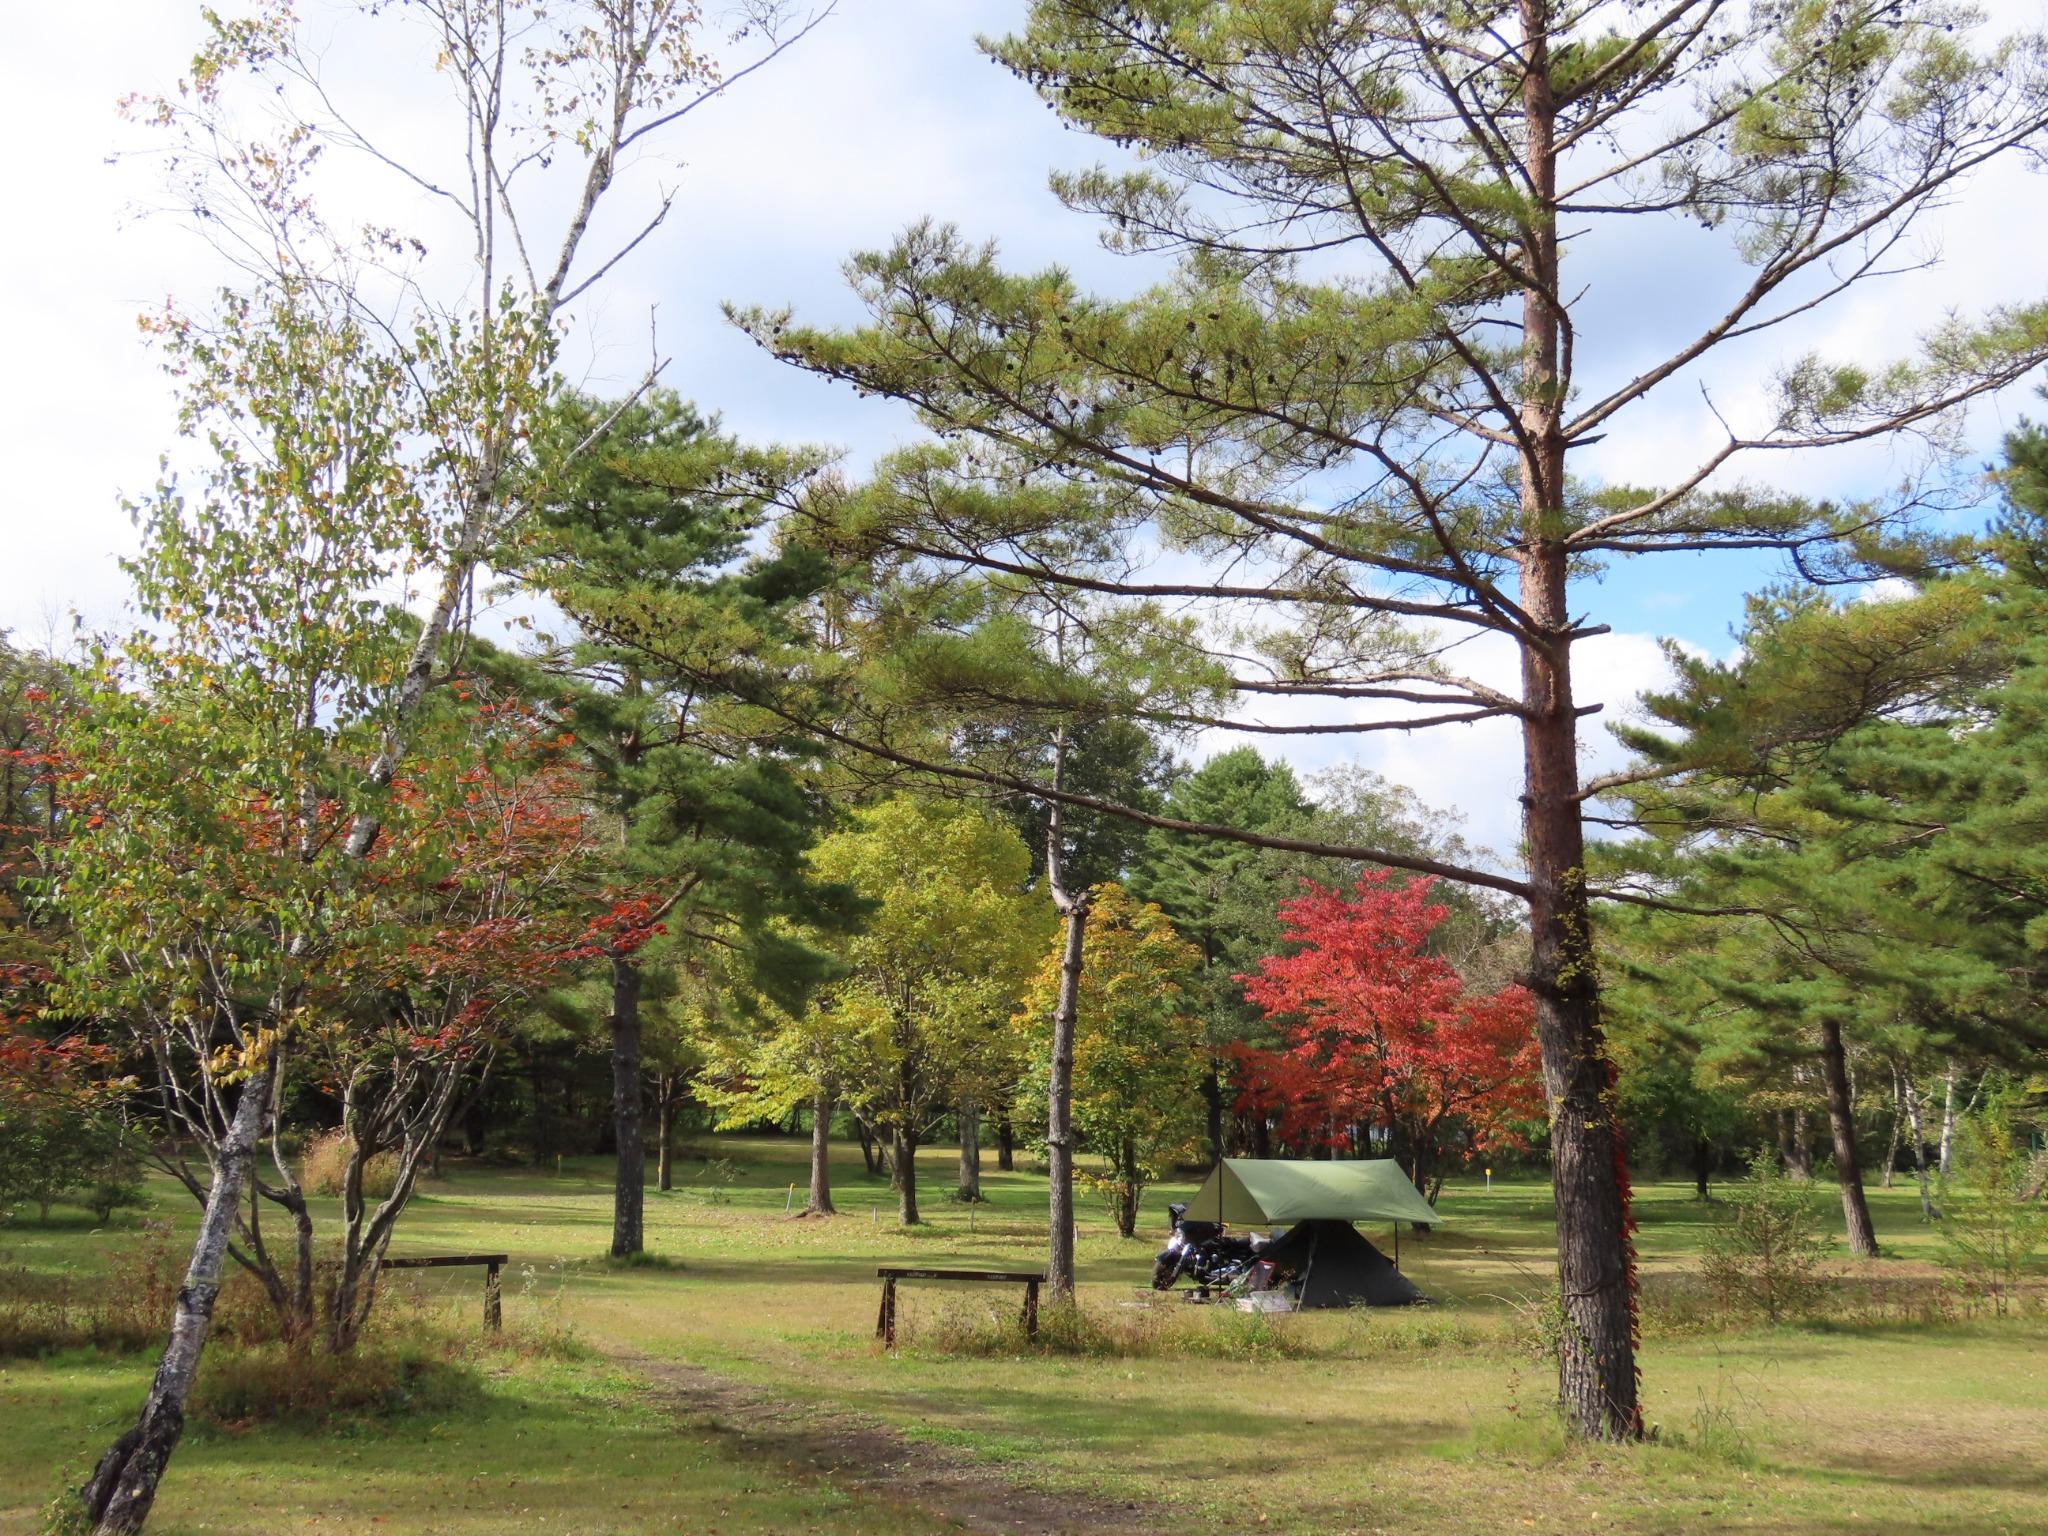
{"x":71,"y":1071}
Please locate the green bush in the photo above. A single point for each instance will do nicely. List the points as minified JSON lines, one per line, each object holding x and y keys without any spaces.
{"x":1992,"y":1223}
{"x":117,"y":1185}
{"x":1766,"y":1256}
{"x":62,"y":1147}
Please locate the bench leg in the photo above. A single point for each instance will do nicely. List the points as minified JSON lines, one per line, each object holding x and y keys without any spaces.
{"x":885,"y":1320}
{"x":494,"y":1317}
{"x":1030,"y":1309}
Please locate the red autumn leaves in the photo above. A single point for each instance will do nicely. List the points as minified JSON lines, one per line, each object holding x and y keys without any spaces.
{"x":1377,"y":1031}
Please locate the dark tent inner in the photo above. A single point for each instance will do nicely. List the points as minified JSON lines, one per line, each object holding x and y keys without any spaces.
{"x":1338,"y":1267}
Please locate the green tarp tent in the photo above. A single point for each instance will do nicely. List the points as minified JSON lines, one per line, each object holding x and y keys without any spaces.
{"x":1337,"y":1267}
{"x":1251,"y":1191}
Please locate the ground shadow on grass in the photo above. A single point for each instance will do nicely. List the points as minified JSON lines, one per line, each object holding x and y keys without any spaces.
{"x":1153,"y":1439}
{"x":1945,"y":1471}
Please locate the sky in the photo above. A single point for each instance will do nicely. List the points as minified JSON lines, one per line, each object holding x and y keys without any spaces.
{"x":886,"y":114}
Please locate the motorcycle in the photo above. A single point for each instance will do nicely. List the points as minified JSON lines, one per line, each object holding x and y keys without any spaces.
{"x":1210,"y":1258}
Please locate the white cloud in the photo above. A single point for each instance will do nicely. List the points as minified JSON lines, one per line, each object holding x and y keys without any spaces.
{"x":1886,"y":589}
{"x":885,"y":115}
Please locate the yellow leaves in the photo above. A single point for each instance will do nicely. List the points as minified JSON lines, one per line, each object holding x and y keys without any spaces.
{"x":230,"y":1063}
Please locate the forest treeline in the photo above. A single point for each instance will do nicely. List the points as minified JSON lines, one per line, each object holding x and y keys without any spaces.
{"x":624,"y":901}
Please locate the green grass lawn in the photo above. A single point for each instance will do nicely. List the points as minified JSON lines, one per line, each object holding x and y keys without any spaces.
{"x":1429,"y":1420}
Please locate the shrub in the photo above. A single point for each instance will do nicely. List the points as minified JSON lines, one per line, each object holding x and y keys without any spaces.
{"x":63,"y":1146}
{"x":127,"y":1307}
{"x":985,"y":1329}
{"x":417,"y":1371}
{"x":323,"y":1169}
{"x":715,"y":1180}
{"x":1766,"y":1256}
{"x":1993,"y":1225}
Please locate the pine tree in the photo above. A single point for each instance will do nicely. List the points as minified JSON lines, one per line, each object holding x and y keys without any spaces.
{"x":647,"y":547}
{"x":1854,"y":804}
{"x":1346,"y":417}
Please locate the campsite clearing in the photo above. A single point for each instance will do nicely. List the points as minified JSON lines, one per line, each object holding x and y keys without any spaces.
{"x":1416,"y":1419}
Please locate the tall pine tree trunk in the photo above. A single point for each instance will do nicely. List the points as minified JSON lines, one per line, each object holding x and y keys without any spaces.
{"x":1792,"y":1145}
{"x":1842,"y":1121}
{"x":1802,"y":1145}
{"x":628,"y":1192}
{"x":1597,"y":1383}
{"x":124,"y":1484}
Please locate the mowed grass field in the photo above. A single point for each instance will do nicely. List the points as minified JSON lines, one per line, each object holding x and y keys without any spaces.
{"x":1430,"y":1420}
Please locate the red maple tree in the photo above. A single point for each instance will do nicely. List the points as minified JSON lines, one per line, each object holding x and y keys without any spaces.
{"x":1377,"y":1031}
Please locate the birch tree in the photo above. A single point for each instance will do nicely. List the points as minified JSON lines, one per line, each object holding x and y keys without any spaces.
{"x":537,"y":113}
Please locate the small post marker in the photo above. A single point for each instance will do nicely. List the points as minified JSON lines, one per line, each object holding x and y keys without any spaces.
{"x":1489,"y":1180}
{"x":788,"y":1200}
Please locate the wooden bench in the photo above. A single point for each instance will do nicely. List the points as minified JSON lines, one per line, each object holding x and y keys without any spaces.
{"x":493,"y":1310}
{"x":885,"y":1322}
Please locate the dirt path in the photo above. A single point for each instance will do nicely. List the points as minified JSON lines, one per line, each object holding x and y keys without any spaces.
{"x":860,"y":1454}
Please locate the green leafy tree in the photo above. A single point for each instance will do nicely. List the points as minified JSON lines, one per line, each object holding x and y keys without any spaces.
{"x":63,"y":1133}
{"x":1851,"y":802}
{"x":251,"y":126}
{"x":761,"y":1062}
{"x":1138,"y":1047}
{"x":212,"y":782}
{"x":938,"y":965}
{"x":1347,"y":414}
{"x":1225,"y":897}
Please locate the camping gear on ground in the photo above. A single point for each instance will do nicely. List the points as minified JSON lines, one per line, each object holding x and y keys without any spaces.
{"x":1321,"y":1260}
{"x":1202,"y":1251}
